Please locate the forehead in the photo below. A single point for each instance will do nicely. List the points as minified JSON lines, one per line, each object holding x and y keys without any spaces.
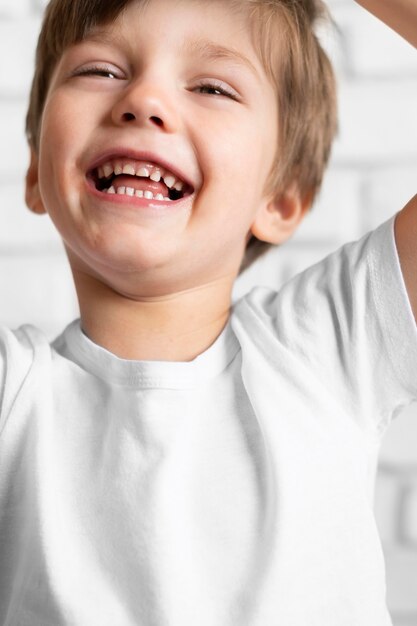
{"x":204,"y":29}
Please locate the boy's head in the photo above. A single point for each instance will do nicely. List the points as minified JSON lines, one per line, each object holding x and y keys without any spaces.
{"x":273,"y":127}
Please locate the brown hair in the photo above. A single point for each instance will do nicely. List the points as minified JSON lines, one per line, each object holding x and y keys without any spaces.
{"x":300,"y":71}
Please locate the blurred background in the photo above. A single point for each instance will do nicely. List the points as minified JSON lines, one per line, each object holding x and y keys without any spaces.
{"x":372,"y":175}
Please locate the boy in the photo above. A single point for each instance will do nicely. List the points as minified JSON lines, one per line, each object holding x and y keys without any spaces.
{"x":170,"y":459}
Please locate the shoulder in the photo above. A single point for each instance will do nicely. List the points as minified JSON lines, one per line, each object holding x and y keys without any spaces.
{"x":351,"y":267}
{"x":344,"y":322}
{"x":19,"y":350}
{"x":21,"y":343}
{"x":332,"y":305}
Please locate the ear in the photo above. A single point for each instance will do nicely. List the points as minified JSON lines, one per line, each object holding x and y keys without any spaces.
{"x":279,"y":217}
{"x":32,"y":194}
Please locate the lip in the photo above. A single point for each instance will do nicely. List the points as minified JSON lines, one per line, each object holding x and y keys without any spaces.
{"x":135,"y":155}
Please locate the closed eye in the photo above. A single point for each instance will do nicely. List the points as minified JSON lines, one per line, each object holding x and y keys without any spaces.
{"x":214,"y":87}
{"x":106,"y":72}
{"x":100,"y":71}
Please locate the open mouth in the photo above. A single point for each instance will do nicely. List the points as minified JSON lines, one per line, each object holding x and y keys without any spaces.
{"x":139,"y":179}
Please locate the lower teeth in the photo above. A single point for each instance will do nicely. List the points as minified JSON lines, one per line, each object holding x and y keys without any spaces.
{"x":129,"y":191}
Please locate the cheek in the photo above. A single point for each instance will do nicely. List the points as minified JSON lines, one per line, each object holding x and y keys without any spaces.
{"x":234,"y":150}
{"x":62,"y":123}
{"x":64,"y":135}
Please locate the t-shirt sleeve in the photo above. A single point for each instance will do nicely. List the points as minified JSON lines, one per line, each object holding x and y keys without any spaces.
{"x":16,"y":359}
{"x":349,"y":319}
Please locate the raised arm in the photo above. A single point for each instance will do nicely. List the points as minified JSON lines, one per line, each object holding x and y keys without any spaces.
{"x":406,"y":241}
{"x":401,"y":16}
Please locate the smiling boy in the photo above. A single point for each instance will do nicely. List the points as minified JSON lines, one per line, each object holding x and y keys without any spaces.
{"x":121,"y":98}
{"x":171,"y":459}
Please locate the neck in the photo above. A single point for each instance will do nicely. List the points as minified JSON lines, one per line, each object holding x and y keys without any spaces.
{"x":171,"y":327}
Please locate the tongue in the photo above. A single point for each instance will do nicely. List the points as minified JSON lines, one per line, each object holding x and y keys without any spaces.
{"x":143,"y":184}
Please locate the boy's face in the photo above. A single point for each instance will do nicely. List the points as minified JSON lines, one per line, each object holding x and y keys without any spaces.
{"x":140,"y":86}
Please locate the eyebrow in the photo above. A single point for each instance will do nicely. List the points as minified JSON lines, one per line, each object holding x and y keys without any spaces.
{"x":204,"y":48}
{"x":211,"y":51}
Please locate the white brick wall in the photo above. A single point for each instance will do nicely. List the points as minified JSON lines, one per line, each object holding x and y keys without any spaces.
{"x":372,"y":175}
{"x":34,"y":272}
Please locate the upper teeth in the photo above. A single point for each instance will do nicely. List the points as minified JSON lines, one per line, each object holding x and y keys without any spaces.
{"x":145,"y":170}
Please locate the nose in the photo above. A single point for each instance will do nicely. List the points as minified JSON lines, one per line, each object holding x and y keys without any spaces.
{"x":146,"y":103}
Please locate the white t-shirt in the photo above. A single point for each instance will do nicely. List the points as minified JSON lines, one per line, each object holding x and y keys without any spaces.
{"x":232,"y":490}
